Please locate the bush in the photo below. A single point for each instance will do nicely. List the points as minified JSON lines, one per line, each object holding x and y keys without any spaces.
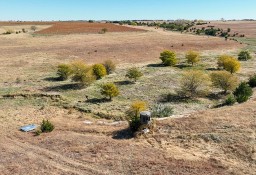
{"x":134,"y":73}
{"x":160,"y":110}
{"x":47,"y":126}
{"x":104,"y":30}
{"x":224,"y":80}
{"x":99,"y":71}
{"x":109,"y":90}
{"x":33,"y":28}
{"x":110,"y":66}
{"x":229,"y":63}
{"x":222,"y":59}
{"x":194,"y":83}
{"x":8,"y":32}
{"x":82,"y":73}
{"x":244,"y":55}
{"x":243,"y":92}
{"x":230,"y":100}
{"x":168,"y":58}
{"x":252,"y":81}
{"x":192,"y":57}
{"x":64,"y":71}
{"x":134,"y":114}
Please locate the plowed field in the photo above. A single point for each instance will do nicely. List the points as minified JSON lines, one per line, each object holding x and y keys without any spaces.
{"x":82,"y":27}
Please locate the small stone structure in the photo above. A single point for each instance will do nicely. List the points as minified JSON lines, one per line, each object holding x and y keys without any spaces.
{"x":145,"y":118}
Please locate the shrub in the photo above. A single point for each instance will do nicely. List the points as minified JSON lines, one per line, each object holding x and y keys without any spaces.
{"x":64,"y":71}
{"x":8,"y":32}
{"x":224,"y":80}
{"x":33,"y":28}
{"x":160,"y":110}
{"x":82,"y":73}
{"x":230,"y":100}
{"x":99,"y":71}
{"x":47,"y":126}
{"x":134,"y":73}
{"x":134,"y":114}
{"x":229,"y":63}
{"x":104,"y":30}
{"x":222,"y":59}
{"x":110,"y":66}
{"x":244,"y":55}
{"x":243,"y":92}
{"x":192,"y":57}
{"x":194,"y":83}
{"x":168,"y":58}
{"x":109,"y":90}
{"x":252,"y":81}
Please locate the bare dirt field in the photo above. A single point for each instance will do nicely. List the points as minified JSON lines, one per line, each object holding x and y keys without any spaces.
{"x":83,"y":27}
{"x":204,"y":141}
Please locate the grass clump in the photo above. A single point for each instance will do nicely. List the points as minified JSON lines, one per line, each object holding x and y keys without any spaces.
{"x":252,"y":81}
{"x":160,"y":111}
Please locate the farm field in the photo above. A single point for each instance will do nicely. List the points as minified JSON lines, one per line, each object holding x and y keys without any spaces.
{"x":91,"y":135}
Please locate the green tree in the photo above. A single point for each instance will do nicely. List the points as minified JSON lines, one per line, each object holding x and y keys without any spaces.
{"x":243,"y":92}
{"x":192,"y":57}
{"x":109,"y":90}
{"x":134,"y":73}
{"x":224,"y":80}
{"x":168,"y":58}
{"x":244,"y":55}
{"x":64,"y":71}
{"x":194,"y":83}
{"x":99,"y":71}
{"x":110,"y":66}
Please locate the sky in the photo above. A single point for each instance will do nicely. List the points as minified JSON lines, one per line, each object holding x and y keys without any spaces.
{"x":47,"y":10}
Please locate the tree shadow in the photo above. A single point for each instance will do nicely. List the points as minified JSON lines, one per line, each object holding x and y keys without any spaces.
{"x":97,"y":100}
{"x":64,"y":87}
{"x":156,"y":65}
{"x":216,"y":96}
{"x":183,"y":66}
{"x":125,"y":82}
{"x":52,"y":79}
{"x":123,"y":134}
{"x":165,"y":98}
{"x":212,"y":69}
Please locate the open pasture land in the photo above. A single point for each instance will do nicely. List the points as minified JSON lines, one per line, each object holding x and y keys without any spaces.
{"x":199,"y":141}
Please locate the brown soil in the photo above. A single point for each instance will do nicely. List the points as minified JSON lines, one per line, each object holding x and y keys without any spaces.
{"x":83,"y":27}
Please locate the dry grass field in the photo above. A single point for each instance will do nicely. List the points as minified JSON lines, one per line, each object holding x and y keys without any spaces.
{"x":197,"y":141}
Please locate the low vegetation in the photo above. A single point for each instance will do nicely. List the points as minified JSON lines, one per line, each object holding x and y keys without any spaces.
{"x":229,"y":63}
{"x":110,"y":66}
{"x":194,"y":83}
{"x":134,"y":74}
{"x":244,"y":55}
{"x":168,"y":58}
{"x":243,"y":92}
{"x":224,"y":81}
{"x":64,"y":71}
{"x":192,"y":57}
{"x":99,"y":71}
{"x":47,"y":126}
{"x":161,"y":110}
{"x":134,"y":114}
{"x":109,"y":90}
{"x":252,"y":81}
